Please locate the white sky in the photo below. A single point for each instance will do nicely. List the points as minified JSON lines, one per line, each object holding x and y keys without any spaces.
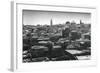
{"x":32,"y":17}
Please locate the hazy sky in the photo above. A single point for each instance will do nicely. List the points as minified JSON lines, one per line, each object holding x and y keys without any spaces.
{"x":33,"y":17}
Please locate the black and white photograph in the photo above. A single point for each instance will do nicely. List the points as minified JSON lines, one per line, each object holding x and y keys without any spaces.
{"x":56,"y":36}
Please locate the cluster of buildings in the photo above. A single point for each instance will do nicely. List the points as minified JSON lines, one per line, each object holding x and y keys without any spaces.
{"x":68,"y":35}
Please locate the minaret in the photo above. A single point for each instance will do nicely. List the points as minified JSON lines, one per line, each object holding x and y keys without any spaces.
{"x":51,"y":23}
{"x":81,"y":22}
